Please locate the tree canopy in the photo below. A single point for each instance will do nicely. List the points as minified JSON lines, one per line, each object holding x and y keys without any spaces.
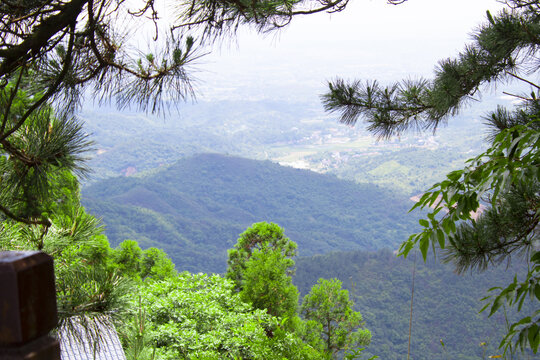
{"x":262,"y":237}
{"x":200,"y":316}
{"x":260,"y":266}
{"x":330,"y":315}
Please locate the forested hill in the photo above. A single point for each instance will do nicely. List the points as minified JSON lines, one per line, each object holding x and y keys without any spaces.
{"x":446,"y":305}
{"x":196,"y":208}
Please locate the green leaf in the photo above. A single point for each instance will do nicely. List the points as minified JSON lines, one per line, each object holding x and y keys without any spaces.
{"x":415,"y":206}
{"x":424,"y":222}
{"x":534,"y":337}
{"x":446,"y":226}
{"x":424,"y":245}
{"x":434,"y":197}
{"x":454,"y":175}
{"x":406,"y":247}
{"x":440,"y":237}
{"x":536,"y":257}
{"x":497,"y":303}
{"x":525,"y":320}
{"x":485,"y":306}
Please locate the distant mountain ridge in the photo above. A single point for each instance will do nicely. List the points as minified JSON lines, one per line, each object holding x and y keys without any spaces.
{"x":195,"y":209}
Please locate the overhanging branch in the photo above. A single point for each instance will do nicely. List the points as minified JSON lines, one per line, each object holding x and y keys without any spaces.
{"x":16,"y":55}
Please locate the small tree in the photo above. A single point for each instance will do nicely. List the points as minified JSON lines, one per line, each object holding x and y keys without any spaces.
{"x":330,"y":313}
{"x":260,"y":266}
{"x":156,"y":264}
{"x":262,"y":235}
{"x":128,"y":257}
{"x":266,"y":284}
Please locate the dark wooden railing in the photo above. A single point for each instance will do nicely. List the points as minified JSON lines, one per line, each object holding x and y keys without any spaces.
{"x":27,"y":306}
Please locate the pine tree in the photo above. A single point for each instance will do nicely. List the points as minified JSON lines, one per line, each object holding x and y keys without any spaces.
{"x":53,"y":52}
{"x":505,"y":177}
{"x":330,"y":316}
{"x":260,"y":266}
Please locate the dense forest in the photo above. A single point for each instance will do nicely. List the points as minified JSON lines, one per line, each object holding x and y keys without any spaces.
{"x":446,"y":305}
{"x":196,"y":208}
{"x":187,"y":249}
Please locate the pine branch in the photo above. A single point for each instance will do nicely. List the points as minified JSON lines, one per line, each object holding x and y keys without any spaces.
{"x":24,"y":220}
{"x":11,"y":98}
{"x":32,"y":46}
{"x":48,"y":94}
{"x":398,"y":107}
{"x":524,"y":80}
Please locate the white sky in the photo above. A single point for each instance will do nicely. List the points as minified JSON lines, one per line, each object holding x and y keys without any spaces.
{"x":369,"y":39}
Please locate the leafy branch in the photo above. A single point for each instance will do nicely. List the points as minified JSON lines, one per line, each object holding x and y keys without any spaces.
{"x":507,"y":176}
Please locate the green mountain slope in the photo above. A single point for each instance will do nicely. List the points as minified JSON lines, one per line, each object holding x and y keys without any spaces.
{"x":196,"y":208}
{"x":446,"y":305}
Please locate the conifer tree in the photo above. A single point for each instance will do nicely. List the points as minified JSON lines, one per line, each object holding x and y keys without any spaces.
{"x":260,"y":266}
{"x":504,"y":178}
{"x":53,"y":52}
{"x":264,"y":237}
{"x":330,"y":316}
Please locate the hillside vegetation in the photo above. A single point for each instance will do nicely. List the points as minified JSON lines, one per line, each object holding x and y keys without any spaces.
{"x":297,"y":134}
{"x":196,"y":208}
{"x":446,"y":305}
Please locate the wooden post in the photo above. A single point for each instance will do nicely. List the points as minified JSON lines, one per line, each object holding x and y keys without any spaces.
{"x":27,"y":306}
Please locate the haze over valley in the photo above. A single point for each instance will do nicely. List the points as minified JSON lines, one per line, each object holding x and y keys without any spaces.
{"x":301,"y":180}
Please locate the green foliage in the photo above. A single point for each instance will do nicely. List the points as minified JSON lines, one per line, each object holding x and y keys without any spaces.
{"x":357,"y":354}
{"x":267,"y":284}
{"x":195,"y":209}
{"x":37,"y":158}
{"x":128,"y":257}
{"x":507,"y":174}
{"x":85,"y":292}
{"x":527,"y":329}
{"x":504,"y":178}
{"x":156,"y":264}
{"x":260,"y":267}
{"x":329,"y":312}
{"x":200,"y":317}
{"x":137,"y":342}
{"x":136,"y":263}
{"x":89,"y":289}
{"x":446,"y":304}
{"x":264,"y":236}
{"x":91,"y":278}
{"x":89,"y":286}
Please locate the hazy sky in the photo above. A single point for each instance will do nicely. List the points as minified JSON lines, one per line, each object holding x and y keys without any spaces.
{"x":369,"y":39}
